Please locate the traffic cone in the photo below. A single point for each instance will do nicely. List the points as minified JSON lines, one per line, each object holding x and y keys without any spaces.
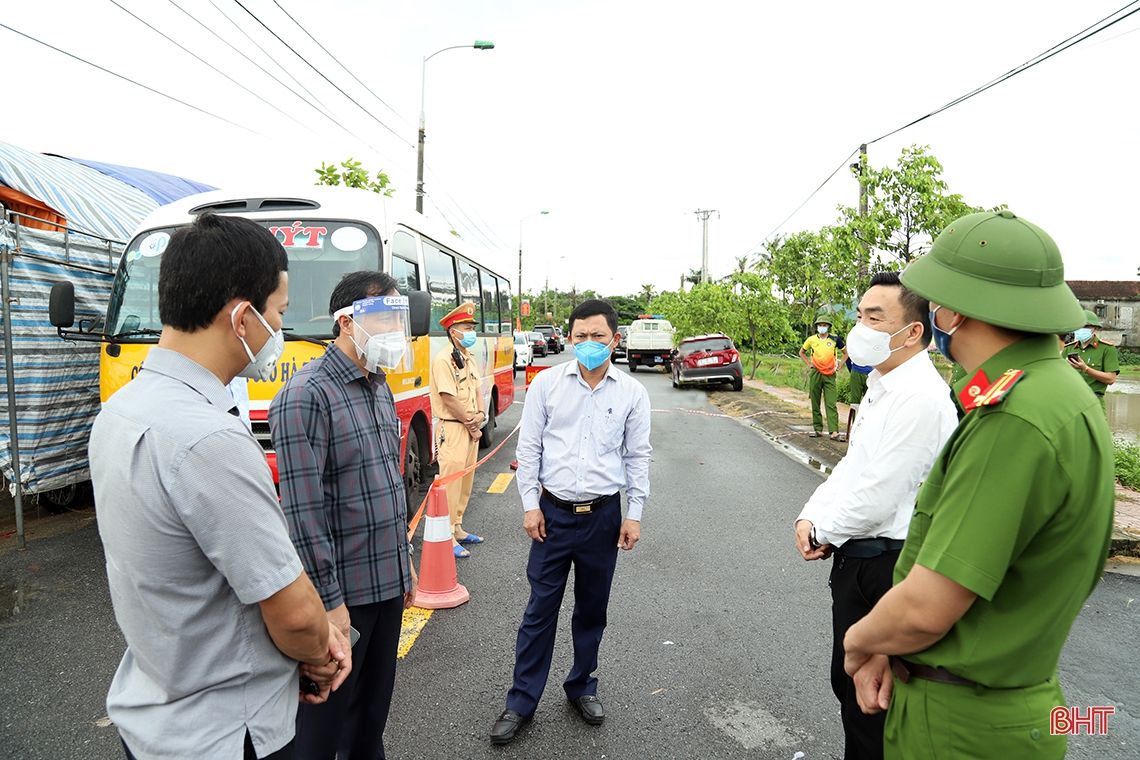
{"x":439,"y":587}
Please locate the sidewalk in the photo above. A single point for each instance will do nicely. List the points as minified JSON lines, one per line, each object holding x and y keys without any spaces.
{"x":783,"y":415}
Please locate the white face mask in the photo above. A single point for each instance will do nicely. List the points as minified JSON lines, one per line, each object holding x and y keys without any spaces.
{"x":381,"y":351}
{"x":261,"y":365}
{"x":868,"y":347}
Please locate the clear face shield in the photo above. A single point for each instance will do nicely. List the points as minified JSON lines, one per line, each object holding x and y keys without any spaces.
{"x":382,"y":331}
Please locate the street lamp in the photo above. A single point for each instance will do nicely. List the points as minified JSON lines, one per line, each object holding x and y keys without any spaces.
{"x":478,"y":45}
{"x":539,"y":213}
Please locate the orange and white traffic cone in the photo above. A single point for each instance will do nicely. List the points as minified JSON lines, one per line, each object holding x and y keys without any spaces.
{"x":439,"y":587}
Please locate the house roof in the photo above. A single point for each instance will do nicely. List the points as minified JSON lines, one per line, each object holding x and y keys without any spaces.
{"x":1109,"y":290}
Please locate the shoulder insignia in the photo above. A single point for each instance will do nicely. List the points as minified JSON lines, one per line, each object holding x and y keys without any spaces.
{"x":997,"y":392}
{"x":970,"y":392}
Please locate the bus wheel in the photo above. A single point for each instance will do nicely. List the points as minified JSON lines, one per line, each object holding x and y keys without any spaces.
{"x":488,"y":438}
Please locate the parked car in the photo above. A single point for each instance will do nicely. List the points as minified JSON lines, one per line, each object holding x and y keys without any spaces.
{"x":623,"y":336}
{"x":538,"y":344}
{"x":561,"y":339}
{"x":524,"y":352}
{"x":553,"y":339}
{"x":707,"y":359}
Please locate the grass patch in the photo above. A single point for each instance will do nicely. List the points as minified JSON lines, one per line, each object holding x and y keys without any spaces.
{"x":1128,"y":464}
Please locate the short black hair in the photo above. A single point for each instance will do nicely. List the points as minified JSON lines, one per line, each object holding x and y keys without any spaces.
{"x":593,"y":308}
{"x":357,"y":285}
{"x":915,"y":307}
{"x":213,"y":261}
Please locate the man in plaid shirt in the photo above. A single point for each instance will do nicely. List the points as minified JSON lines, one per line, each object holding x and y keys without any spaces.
{"x":337,"y":438}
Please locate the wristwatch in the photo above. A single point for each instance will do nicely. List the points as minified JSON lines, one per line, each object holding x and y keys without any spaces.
{"x":812,"y":541}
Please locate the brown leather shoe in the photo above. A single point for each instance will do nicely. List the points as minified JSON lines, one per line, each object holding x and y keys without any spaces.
{"x":590,"y":708}
{"x":508,"y":724}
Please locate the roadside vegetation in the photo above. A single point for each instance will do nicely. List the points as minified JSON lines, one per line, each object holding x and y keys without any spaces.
{"x":1128,"y":464}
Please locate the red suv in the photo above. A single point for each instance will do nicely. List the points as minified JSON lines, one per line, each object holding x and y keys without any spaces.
{"x":706,"y":359}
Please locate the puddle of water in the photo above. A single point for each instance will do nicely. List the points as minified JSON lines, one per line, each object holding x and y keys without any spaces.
{"x":1123,"y":405}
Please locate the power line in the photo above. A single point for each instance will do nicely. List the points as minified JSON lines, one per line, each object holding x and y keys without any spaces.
{"x":1041,"y":57}
{"x":190,"y":52}
{"x":321,"y":74}
{"x":265,"y":52}
{"x":243,"y":54}
{"x":1063,"y":45}
{"x":338,"y":63}
{"x":805,"y":202}
{"x":128,"y":79}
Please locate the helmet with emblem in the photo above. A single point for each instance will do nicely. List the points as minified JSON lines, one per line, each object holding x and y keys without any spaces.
{"x":1091,"y":319}
{"x":1000,"y":269}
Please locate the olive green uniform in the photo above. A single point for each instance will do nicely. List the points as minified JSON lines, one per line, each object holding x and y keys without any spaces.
{"x":1099,"y":356}
{"x":1017,"y":509}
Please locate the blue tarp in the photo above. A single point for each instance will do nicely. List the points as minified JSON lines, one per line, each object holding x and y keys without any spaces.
{"x":164,"y":188}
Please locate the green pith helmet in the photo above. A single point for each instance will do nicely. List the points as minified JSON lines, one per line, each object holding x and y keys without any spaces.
{"x":823,"y":318}
{"x":1000,"y":269}
{"x":1091,"y":319}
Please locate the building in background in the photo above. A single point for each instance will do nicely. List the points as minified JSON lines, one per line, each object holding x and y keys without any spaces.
{"x":1117,"y":303}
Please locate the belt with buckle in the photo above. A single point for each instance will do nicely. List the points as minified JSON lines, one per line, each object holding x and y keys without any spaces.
{"x":577,"y":507}
{"x":905,"y":670}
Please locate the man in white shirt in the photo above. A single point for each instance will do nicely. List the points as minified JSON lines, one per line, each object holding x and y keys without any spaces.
{"x":584,"y":436}
{"x":861,"y":513}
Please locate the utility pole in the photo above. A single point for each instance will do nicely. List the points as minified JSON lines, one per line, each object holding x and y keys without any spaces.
{"x":703,"y":215}
{"x":865,"y":262}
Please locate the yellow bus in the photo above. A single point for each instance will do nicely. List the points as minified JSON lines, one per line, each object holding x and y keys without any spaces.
{"x":327,"y":232}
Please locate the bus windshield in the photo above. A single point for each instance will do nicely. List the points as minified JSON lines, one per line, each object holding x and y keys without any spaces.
{"x":320,"y":253}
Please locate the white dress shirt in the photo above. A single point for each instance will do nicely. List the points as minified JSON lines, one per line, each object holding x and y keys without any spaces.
{"x":904,"y":420}
{"x":580,"y":442}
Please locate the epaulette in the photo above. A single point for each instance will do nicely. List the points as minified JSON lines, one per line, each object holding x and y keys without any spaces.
{"x":970,"y":392}
{"x":999,"y":389}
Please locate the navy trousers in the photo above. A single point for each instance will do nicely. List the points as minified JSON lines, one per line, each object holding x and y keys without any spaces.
{"x":589,"y":543}
{"x":350,"y":725}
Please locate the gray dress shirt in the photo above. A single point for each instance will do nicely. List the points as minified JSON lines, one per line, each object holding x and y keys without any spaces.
{"x":194,"y":539}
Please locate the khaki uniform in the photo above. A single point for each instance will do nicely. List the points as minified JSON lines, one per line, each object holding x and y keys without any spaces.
{"x":456,"y":449}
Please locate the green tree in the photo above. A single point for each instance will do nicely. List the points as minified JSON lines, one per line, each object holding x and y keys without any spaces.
{"x":814,"y":269}
{"x":759,"y":320}
{"x":351,"y":173}
{"x":646,"y":295}
{"x":908,"y":205}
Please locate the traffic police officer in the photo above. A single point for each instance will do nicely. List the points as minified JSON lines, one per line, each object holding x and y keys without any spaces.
{"x":1012,"y":525}
{"x":1096,"y":360}
{"x":457,"y":402}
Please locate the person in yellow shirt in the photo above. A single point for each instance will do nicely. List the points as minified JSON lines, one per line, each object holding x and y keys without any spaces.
{"x":823,"y":353}
{"x":457,"y":402}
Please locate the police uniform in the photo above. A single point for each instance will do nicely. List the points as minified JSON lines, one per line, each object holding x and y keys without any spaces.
{"x":1017,"y":508}
{"x":1097,"y":354}
{"x":456,"y":449}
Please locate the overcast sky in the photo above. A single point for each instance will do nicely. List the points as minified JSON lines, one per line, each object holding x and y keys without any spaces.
{"x":620,"y":117}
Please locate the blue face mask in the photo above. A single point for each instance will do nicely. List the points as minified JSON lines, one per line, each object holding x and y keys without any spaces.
{"x":468,"y":339}
{"x":942,"y":337}
{"x":1083,"y":335}
{"x":591,"y":354}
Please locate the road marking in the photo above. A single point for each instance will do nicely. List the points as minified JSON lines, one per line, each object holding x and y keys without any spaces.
{"x":415,"y":618}
{"x":502,"y":480}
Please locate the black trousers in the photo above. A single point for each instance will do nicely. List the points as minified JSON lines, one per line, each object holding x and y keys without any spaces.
{"x":589,"y":543}
{"x":285,"y":753}
{"x":350,"y":725}
{"x":856,"y":584}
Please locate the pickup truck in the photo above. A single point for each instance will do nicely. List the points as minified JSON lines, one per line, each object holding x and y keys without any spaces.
{"x":650,"y":343}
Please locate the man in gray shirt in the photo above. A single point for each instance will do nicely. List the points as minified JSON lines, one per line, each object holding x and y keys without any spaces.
{"x":207,"y":588}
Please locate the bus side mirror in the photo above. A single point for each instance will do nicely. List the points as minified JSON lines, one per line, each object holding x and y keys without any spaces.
{"x":61,"y":305}
{"x":419,"y":307}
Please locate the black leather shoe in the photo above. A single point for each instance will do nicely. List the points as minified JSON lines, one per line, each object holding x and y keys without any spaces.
{"x":590,"y":708}
{"x":508,"y":724}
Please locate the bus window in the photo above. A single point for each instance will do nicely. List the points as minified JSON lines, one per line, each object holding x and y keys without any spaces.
{"x":440,"y":268}
{"x":506,"y":313}
{"x":490,"y":303}
{"x":469,"y":288}
{"x":405,"y":268}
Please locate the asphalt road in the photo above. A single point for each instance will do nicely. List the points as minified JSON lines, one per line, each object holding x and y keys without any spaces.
{"x":717,"y":645}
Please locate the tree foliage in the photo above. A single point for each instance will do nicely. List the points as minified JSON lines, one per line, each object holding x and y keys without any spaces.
{"x":351,"y":173}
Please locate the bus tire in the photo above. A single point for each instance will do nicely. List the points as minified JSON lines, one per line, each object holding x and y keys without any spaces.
{"x":488,"y":438}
